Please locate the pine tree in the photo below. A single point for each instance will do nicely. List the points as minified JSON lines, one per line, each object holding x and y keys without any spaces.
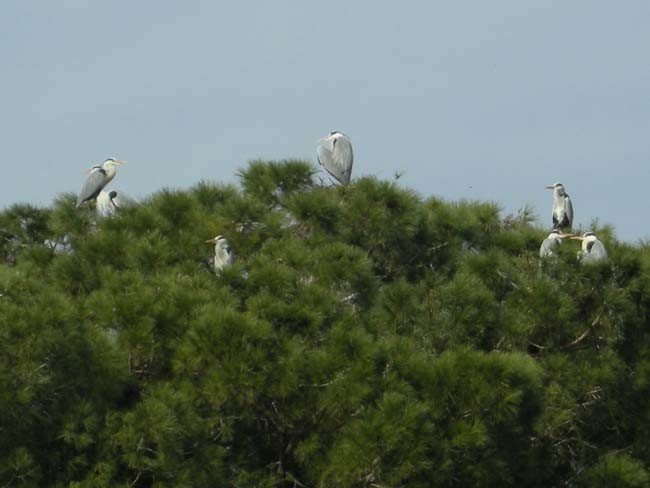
{"x":364,"y":336}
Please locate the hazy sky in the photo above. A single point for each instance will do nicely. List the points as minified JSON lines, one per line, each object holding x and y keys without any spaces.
{"x":476,"y":100}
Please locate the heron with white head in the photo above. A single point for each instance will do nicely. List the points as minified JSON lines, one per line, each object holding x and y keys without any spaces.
{"x":223,"y":256}
{"x":334,"y":153}
{"x":562,"y":207}
{"x":99,"y":177}
{"x":593,"y":251}
{"x":550,"y":244}
{"x":107,"y":203}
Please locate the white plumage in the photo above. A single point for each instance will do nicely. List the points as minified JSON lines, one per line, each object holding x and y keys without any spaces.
{"x":335,"y":155}
{"x":550,"y":244}
{"x":223,"y":256}
{"x":107,"y":203}
{"x":99,"y":177}
{"x":562,"y":207}
{"x":593,"y":251}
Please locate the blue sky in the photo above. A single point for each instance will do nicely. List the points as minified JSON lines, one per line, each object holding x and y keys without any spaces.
{"x":469,"y":100}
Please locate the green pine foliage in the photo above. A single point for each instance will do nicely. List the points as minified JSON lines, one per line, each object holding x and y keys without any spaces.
{"x":364,"y":336}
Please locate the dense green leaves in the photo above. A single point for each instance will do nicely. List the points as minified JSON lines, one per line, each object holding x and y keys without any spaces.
{"x":364,"y":336}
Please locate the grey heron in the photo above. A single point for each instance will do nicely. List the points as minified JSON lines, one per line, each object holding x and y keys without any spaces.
{"x":593,"y":251}
{"x":223,"y":256}
{"x":562,"y":207}
{"x":335,"y":155}
{"x":99,"y":177}
{"x":550,"y":244}
{"x":107,"y":203}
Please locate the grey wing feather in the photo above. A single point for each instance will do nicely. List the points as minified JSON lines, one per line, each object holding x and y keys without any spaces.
{"x":338,"y":161}
{"x":92,"y":186}
{"x":343,"y":154}
{"x":595,"y":254}
{"x":547,"y":247}
{"x":598,"y":251}
{"x":569,"y":210}
{"x":324,"y":155}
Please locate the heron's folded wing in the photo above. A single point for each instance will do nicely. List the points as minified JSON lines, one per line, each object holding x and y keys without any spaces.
{"x":326,"y":159}
{"x":92,"y":186}
{"x":546,"y":249}
{"x":598,"y":250}
{"x":324,"y":154}
{"x":569,"y":210}
{"x":338,"y":162}
{"x":343,"y":159}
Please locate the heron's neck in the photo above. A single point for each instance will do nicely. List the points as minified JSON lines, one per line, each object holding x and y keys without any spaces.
{"x":110,"y":171}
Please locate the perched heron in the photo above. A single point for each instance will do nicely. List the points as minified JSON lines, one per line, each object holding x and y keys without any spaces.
{"x":99,"y":177}
{"x":107,"y":203}
{"x":223,"y":256}
{"x":593,"y":250}
{"x":562,"y":207}
{"x":335,"y":155}
{"x":550,"y":244}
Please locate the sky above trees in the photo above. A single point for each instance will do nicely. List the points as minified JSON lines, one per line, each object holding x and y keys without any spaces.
{"x":487,"y":101}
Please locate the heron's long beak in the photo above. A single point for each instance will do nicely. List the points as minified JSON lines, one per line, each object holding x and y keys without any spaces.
{"x":210,"y":241}
{"x":576,"y":238}
{"x":550,"y":187}
{"x":120,"y":162}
